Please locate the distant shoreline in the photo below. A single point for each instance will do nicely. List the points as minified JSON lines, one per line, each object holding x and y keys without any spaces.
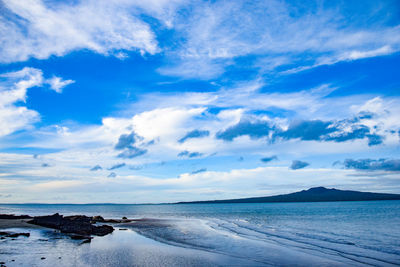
{"x":315,"y":194}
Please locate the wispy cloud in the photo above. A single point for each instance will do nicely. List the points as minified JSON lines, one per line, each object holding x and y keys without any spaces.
{"x":132,"y":152}
{"x":216,"y":33}
{"x":57,"y":83}
{"x":189,"y":154}
{"x":38,"y":29}
{"x":254,"y":130}
{"x":194,"y":134}
{"x":297,"y":164}
{"x":373,"y":164}
{"x":112,"y":175}
{"x":199,"y":171}
{"x":96,"y":168}
{"x":13,"y":89}
{"x":337,"y":131}
{"x":117,"y":166}
{"x":15,"y":117}
{"x":269,"y":159}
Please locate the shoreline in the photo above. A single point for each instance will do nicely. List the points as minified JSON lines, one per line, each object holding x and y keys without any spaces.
{"x":215,"y":239}
{"x":124,"y":247}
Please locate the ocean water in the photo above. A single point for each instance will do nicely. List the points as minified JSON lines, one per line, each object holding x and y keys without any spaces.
{"x":271,"y":234}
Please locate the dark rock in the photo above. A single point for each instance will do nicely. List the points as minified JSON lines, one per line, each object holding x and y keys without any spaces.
{"x":122,"y":229}
{"x":4,"y":233}
{"x":42,"y":258}
{"x":97,"y":219}
{"x":77,"y":224}
{"x":14,"y":217}
{"x":18,"y":234}
{"x":51,"y":221}
{"x":124,"y":218}
{"x":2,"y":238}
{"x":102,"y":230}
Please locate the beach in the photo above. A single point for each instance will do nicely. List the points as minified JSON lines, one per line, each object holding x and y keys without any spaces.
{"x":257,"y":234}
{"x":124,"y":247}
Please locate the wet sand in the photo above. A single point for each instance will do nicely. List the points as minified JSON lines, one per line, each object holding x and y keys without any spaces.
{"x":18,"y":223}
{"x":45,"y":247}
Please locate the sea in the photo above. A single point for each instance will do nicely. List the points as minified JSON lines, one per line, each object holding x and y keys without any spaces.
{"x":354,"y":233}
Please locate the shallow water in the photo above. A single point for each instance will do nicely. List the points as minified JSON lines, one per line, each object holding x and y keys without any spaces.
{"x":327,"y":233}
{"x":122,"y":248}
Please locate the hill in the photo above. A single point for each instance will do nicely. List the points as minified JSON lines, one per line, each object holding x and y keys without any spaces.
{"x":315,"y":194}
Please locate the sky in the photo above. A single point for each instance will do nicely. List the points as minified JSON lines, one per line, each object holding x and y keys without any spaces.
{"x":129,"y":101}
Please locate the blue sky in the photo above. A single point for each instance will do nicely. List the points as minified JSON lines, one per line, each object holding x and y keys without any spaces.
{"x":159,"y":101}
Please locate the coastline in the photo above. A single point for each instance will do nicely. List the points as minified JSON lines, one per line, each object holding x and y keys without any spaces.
{"x":124,"y":247}
{"x":214,"y":235}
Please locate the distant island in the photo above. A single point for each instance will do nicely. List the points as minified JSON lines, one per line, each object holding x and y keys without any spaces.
{"x":315,"y":194}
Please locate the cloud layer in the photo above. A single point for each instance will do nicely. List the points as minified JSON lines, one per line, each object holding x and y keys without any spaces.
{"x":58,"y":28}
{"x":196,"y":98}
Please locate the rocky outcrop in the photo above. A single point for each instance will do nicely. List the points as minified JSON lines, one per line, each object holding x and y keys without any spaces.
{"x":14,"y":217}
{"x":97,"y":219}
{"x":77,"y":224}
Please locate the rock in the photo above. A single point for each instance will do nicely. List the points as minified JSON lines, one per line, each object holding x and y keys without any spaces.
{"x":82,"y":228}
{"x":4,"y":233}
{"x":102,"y":230}
{"x":122,"y":229}
{"x":77,"y":224}
{"x":51,"y":221}
{"x":97,"y":219}
{"x":42,"y":258}
{"x":124,"y":218}
{"x":14,"y":217}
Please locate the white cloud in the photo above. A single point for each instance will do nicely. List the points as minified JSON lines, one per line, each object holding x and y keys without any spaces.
{"x":208,"y":36}
{"x":13,"y":89}
{"x":34,"y":28}
{"x":76,"y":185}
{"x":218,"y":32}
{"x":166,"y":118}
{"x":57,"y":83}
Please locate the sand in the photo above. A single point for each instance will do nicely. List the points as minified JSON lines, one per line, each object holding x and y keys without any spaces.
{"x":19,"y":223}
{"x":45,"y":247}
